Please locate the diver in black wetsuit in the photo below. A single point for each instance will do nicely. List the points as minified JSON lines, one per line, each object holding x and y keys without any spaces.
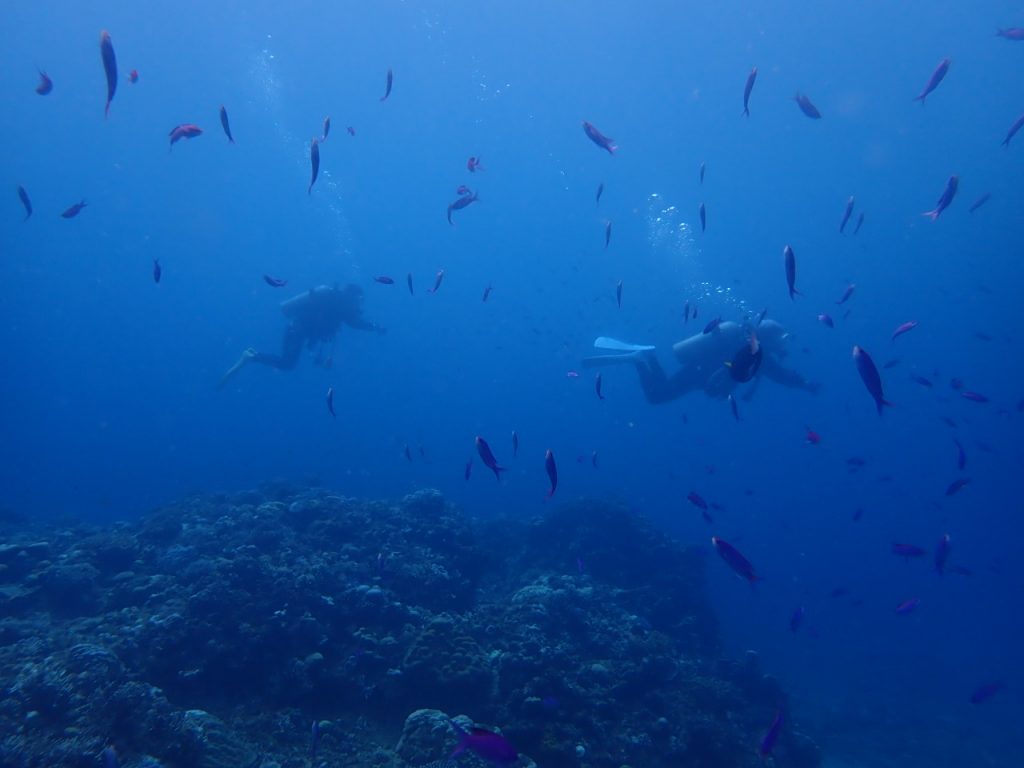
{"x":314,"y":317}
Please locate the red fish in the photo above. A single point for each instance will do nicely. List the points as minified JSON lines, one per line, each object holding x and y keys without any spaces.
{"x":330,"y":401}
{"x":314,"y":160}
{"x":274,"y":282}
{"x":748,"y":87}
{"x":157,"y":272}
{"x":487,"y":457}
{"x":133,"y":76}
{"x":109,"y":68}
{"x":604,"y":142}
{"x":437,"y":281}
{"x":618,"y":294}
{"x":492,"y":747}
{"x":552,"y":470}
{"x":384,"y":280}
{"x":184,"y":131}
{"x":812,"y":437}
{"x":462,"y":202}
{"x":473,"y":165}
{"x":934,"y":80}
{"x":944,"y":199}
{"x":74,"y":210}
{"x":387,"y":87}
{"x":789,"y":259}
{"x":732,"y":557}
{"x":904,"y":328}
{"x":45,"y":84}
{"x":225,"y":124}
{"x":1012,"y":33}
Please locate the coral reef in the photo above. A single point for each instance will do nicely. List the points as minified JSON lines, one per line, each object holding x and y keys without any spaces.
{"x":215,"y":631}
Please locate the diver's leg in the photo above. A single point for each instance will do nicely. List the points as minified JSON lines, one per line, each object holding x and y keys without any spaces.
{"x":247,"y":356}
{"x":659,"y":388}
{"x":291,"y":348}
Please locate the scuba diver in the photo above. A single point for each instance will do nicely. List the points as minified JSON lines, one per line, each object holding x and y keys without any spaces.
{"x":715,"y":361}
{"x":314,"y":317}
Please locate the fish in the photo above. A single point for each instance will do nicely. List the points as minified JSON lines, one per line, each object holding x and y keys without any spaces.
{"x":858,"y":514}
{"x":25,"y":201}
{"x":934,"y":80}
{"x":184,"y":131}
{"x":593,"y":459}
{"x":157,"y":271}
{"x":702,"y":212}
{"x":388,"y":84}
{"x":847,"y":294}
{"x":473,"y":165}
{"x":487,"y":292}
{"x":797,"y":619}
{"x":712,"y":325}
{"x":330,"y":401}
{"x":961,"y":455}
{"x":733,"y":407}
{"x":408,"y":282}
{"x":314,"y":741}
{"x":327,"y":128}
{"x":274,"y":282}
{"x":491,"y":746}
{"x":811,"y":437}
{"x":407,"y":453}
{"x":987,"y":690}
{"x":747,"y":88}
{"x":869,"y":375}
{"x":700,"y":170}
{"x":618,"y":294}
{"x":956,"y":383}
{"x":974,"y":397}
{"x":552,"y":470}
{"x":695,"y":498}
{"x":957,"y":485}
{"x":351,"y":130}
{"x":1011,"y":33}
{"x":437,"y":281}
{"x":604,"y":142}
{"x":789,"y":259}
{"x":225,"y":124}
{"x":461,"y":202}
{"x":133,"y":76}
{"x":600,"y":191}
{"x":1017,"y":125}
{"x":515,"y":444}
{"x":903,"y":328}
{"x":806,"y":106}
{"x":384,"y":280}
{"x":847,"y":213}
{"x":607,"y":233}
{"x":314,"y":160}
{"x":942,"y":554}
{"x":764,"y":749}
{"x":856,"y":461}
{"x":45,"y":84}
{"x":826,"y":320}
{"x":487,"y":457}
{"x":908,"y":606}
{"x":732,"y":557}
{"x":468,"y":470}
{"x":597,"y":387}
{"x":860,"y":223}
{"x":109,"y":68}
{"x":944,"y":199}
{"x":74,"y":210}
{"x":908,"y":550}
{"x":921,"y":380}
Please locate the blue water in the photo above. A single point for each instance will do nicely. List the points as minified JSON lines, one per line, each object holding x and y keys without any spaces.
{"x":109,"y":387}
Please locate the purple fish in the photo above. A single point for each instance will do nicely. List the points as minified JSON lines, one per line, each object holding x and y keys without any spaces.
{"x":869,"y":375}
{"x":974,"y":397}
{"x":462,"y":202}
{"x":767,"y":744}
{"x":957,"y":485}
{"x":747,"y":88}
{"x":552,"y":470}
{"x":735,"y":560}
{"x":225,"y":124}
{"x":488,"y":457}
{"x":697,"y":500}
{"x":806,"y":106}
{"x":1011,"y":33}
{"x":921,"y":380}
{"x":908,"y":550}
{"x":488,"y":745}
{"x":980,"y":202}
{"x":797,"y":619}
{"x":908,"y":606}
{"x":184,"y":131}
{"x":604,"y":142}
{"x":1017,"y":125}
{"x":987,"y":690}
{"x":847,"y":293}
{"x":847,"y":213}
{"x":109,"y":68}
{"x":945,"y":199}
{"x":942,"y":554}
{"x":789,"y":258}
{"x":314,"y":161}
{"x":934,"y":80}
{"x":274,"y":282}
{"x":903,"y":328}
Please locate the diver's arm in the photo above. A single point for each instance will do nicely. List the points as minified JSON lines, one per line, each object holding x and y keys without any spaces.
{"x":364,"y":325}
{"x":787,"y":377}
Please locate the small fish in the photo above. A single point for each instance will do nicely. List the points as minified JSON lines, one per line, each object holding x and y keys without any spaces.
{"x":600,"y":191}
{"x":492,"y":747}
{"x":552,"y":470}
{"x":702,"y":212}
{"x":45,"y":84}
{"x":157,"y":271}
{"x":858,"y":514}
{"x":847,"y":294}
{"x":789,"y":259}
{"x":695,"y":498}
{"x":487,"y":457}
{"x":747,"y":88}
{"x":767,"y":744}
{"x":23,"y":196}
{"x":944,"y":199}
{"x":974,"y":397}
{"x":860,"y":223}
{"x":987,"y":690}
{"x":330,"y":401}
{"x":618,"y":294}
{"x":961,"y":455}
{"x":463,"y":201}
{"x":437,"y":281}
{"x":908,"y":550}
{"x":384,"y":280}
{"x":856,"y":461}
{"x":225,"y":124}
{"x":133,"y":76}
{"x":712,"y":325}
{"x":917,"y":379}
{"x":109,"y":68}
{"x":487,"y":293}
{"x":797,"y":619}
{"x":604,"y":142}
{"x":956,"y":383}
{"x":811,"y":437}
{"x":957,"y":485}
{"x":1017,"y":125}
{"x":408,"y":282}
{"x":184,"y":131}
{"x":407,"y":453}
{"x":934,"y":80}
{"x":734,"y":408}
{"x":826,"y":320}
{"x":274,"y":282}
{"x":732,"y":557}
{"x":942,"y":554}
{"x":904,"y":328}
{"x":607,"y":233}
{"x":515,"y":444}
{"x":847,"y":213}
{"x":593,"y":459}
{"x":473,"y":165}
{"x":351,"y":130}
{"x":908,"y":606}
{"x":701,"y":170}
{"x":327,"y":128}
{"x":468,"y":470}
{"x":869,"y":375}
{"x":315,"y":740}
{"x":806,"y":106}
{"x":387,"y":86}
{"x":314,"y":160}
{"x":597,"y":387}
{"x":74,"y":210}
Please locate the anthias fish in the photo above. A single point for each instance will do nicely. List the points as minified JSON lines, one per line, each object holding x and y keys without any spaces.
{"x":225,"y":124}
{"x":734,"y":559}
{"x":109,"y":68}
{"x":934,"y":80}
{"x":487,"y":457}
{"x":604,"y":142}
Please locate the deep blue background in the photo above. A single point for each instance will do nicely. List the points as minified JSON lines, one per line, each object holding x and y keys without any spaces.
{"x":108,"y":388}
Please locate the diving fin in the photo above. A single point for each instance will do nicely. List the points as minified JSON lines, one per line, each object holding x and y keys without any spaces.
{"x":606,"y":342}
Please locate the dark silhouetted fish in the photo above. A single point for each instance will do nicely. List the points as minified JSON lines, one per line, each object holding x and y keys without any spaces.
{"x":957,"y":485}
{"x":604,"y":142}
{"x":934,"y":80}
{"x":732,"y":557}
{"x":860,"y":223}
{"x":702,"y":212}
{"x":314,"y":161}
{"x":789,"y":260}
{"x":807,"y":107}
{"x":487,"y":457}
{"x":748,"y":87}
{"x":600,"y":191}
{"x":869,"y":375}
{"x":987,"y":690}
{"x":109,"y":67}
{"x":1011,"y":33}
{"x":225,"y":124}
{"x":942,"y":550}
{"x":552,"y":470}
{"x":388,"y":84}
{"x":157,"y":271}
{"x":45,"y":84}
{"x":944,"y":199}
{"x":274,"y":282}
{"x":768,"y":741}
{"x":74,"y":210}
{"x":980,"y":202}
{"x":23,"y":196}
{"x":847,"y":213}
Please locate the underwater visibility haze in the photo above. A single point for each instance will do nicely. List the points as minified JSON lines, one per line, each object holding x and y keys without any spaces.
{"x":495,"y":383}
